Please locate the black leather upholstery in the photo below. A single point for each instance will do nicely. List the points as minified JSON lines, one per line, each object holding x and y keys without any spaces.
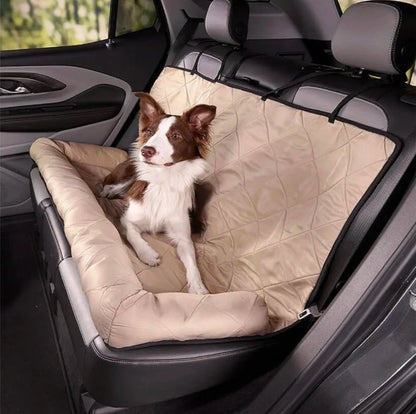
{"x":269,"y":72}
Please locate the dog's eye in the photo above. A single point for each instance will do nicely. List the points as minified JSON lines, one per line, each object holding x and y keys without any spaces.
{"x":148,"y":132}
{"x":176,"y":136}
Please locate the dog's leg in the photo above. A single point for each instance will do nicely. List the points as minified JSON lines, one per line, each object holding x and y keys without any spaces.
{"x":180,"y":234}
{"x":131,"y":223}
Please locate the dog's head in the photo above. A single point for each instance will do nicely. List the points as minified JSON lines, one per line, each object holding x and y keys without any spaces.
{"x":168,"y":139}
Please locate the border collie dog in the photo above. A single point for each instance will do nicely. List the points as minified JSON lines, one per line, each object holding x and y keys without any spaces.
{"x":157,"y":181}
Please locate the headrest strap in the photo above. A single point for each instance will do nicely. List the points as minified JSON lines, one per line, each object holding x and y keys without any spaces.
{"x":299,"y":80}
{"x":371,"y":83}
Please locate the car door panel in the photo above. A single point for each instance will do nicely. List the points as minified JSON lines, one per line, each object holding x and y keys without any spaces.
{"x":92,"y":108}
{"x":14,"y":184}
{"x":134,"y":57}
{"x":99,"y":103}
{"x":79,"y":93}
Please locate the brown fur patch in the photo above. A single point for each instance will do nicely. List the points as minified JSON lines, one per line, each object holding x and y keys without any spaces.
{"x":123,"y":172}
{"x":204,"y":144}
{"x":142,"y":140}
{"x":198,"y":119}
{"x":149,"y":108}
{"x":137,"y":190}
{"x":203,"y":193}
{"x":113,"y":209}
{"x":182,"y":141}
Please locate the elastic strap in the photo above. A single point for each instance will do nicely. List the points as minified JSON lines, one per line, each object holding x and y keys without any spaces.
{"x":299,"y":80}
{"x":367,"y":86}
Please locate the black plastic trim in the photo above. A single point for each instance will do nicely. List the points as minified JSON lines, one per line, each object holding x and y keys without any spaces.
{"x":112,"y":23}
{"x":159,"y":373}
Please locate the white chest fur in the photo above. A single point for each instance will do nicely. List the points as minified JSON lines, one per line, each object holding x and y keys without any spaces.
{"x":165,"y":206}
{"x":159,"y":206}
{"x":169,"y":194}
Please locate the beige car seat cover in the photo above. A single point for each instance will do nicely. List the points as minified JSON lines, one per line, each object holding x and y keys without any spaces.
{"x":283,"y":183}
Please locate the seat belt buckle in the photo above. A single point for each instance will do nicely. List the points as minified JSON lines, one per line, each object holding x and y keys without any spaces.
{"x":312,"y":310}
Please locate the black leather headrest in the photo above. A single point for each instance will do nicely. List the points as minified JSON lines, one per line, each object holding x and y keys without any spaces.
{"x":227,"y":21}
{"x":379,"y":36}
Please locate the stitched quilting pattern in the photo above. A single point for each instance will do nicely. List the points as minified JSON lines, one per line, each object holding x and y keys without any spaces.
{"x":125,"y":313}
{"x":285,"y":181}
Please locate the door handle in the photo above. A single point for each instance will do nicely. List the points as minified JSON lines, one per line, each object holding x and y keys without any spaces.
{"x":17,"y":91}
{"x":19,"y":83}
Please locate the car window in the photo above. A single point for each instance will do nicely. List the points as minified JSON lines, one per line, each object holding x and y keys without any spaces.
{"x":133,"y":15}
{"x":344,"y":4}
{"x":27,"y":24}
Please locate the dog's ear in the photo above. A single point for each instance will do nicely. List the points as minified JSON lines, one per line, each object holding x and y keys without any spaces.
{"x":198,"y":119}
{"x":149,"y":108}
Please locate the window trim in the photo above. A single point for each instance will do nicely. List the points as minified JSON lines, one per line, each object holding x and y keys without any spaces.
{"x":112,"y":22}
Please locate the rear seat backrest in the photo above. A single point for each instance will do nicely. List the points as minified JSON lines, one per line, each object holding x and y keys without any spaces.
{"x":226,"y":23}
{"x":373,"y":36}
{"x":222,"y":57}
{"x":255,"y":73}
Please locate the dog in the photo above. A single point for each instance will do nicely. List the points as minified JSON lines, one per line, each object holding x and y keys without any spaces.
{"x":157,"y":181}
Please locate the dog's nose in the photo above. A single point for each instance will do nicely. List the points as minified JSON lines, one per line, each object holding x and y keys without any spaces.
{"x":148,"y":152}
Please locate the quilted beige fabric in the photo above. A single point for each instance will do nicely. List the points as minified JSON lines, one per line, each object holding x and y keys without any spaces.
{"x":125,"y":313}
{"x":284,"y":182}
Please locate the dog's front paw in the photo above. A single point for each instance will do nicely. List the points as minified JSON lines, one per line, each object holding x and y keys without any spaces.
{"x":198,"y":289}
{"x":150,"y":257}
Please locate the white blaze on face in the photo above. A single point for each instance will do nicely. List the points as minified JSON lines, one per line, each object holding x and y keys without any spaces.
{"x":160,"y":142}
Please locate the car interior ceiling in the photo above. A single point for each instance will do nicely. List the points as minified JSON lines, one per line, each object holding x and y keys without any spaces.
{"x":301,"y":62}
